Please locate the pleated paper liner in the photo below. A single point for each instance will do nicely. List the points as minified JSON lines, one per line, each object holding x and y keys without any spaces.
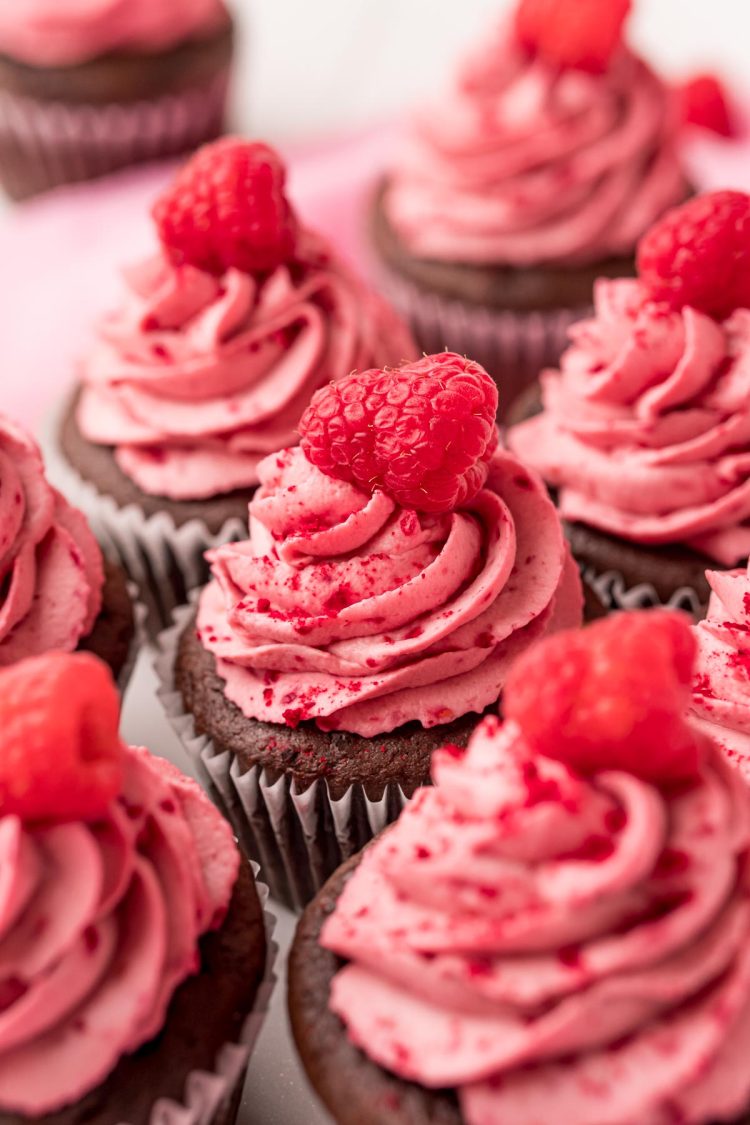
{"x":614,"y":593}
{"x":298,"y":838}
{"x":513,"y":347}
{"x":47,"y":143}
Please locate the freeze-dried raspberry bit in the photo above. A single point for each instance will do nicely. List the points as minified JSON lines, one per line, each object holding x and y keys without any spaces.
{"x":61,"y":753}
{"x":611,"y":697}
{"x":706,"y":104}
{"x":699,"y":255}
{"x":423,"y":433}
{"x":576,"y":34}
{"x":227,"y":209}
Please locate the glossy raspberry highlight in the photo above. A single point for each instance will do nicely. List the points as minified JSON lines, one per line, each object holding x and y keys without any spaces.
{"x":699,"y":255}
{"x":61,"y":756}
{"x":613,"y":696}
{"x":579,"y":34}
{"x":422,"y":433}
{"x":227,"y":210}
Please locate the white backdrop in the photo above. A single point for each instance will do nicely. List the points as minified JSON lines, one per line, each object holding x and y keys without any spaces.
{"x":312,"y":68}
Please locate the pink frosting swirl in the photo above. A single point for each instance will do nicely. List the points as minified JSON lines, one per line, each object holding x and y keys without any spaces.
{"x":51,"y":569}
{"x":556,"y":948}
{"x":196,"y":378}
{"x":721,"y":693}
{"x":523,"y":163}
{"x":99,"y":923}
{"x":646,"y":427}
{"x":344,"y":608}
{"x":67,"y":32}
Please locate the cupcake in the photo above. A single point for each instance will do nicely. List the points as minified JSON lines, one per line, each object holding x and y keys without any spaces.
{"x":56,"y":590}
{"x":645,"y":429}
{"x":397,"y":561}
{"x":721,"y":691}
{"x":127,"y":914}
{"x":206,"y":367}
{"x":554,"y":150}
{"x":89,"y":87}
{"x":559,"y":929}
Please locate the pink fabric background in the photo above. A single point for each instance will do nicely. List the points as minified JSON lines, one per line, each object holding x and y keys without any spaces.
{"x":59,"y":255}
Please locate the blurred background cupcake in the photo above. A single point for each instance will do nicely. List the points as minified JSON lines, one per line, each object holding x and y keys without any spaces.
{"x":218,"y":344}
{"x":644,"y":432}
{"x":90,"y":87}
{"x":554,"y":150}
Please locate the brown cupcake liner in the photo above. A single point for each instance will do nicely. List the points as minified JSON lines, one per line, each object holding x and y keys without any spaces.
{"x":44,"y":144}
{"x":139,"y":628}
{"x":165,"y":561}
{"x":214,"y":1097}
{"x":613,"y":591}
{"x":514,"y":347}
{"x":298,"y":838}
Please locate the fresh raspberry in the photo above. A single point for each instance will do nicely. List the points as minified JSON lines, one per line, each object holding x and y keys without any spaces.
{"x":61,"y":753}
{"x":227,"y":210}
{"x":579,"y":34}
{"x":705,"y":103}
{"x":612,"y":696}
{"x":423,"y":433}
{"x":699,"y":255}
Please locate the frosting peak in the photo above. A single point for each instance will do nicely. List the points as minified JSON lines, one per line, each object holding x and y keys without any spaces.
{"x":556,"y":948}
{"x":196,"y":378}
{"x":51,"y":569}
{"x":646,"y":426}
{"x":99,"y":924}
{"x":345,"y":608}
{"x":721,"y":696}
{"x":68,"y":32}
{"x":524,"y":163}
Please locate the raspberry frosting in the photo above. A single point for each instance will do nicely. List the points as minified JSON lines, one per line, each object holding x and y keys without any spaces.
{"x":99,"y":923}
{"x":557,"y":949}
{"x":524,"y":163}
{"x":195,"y":379}
{"x":67,"y":32}
{"x":345,"y":608}
{"x":646,"y":427}
{"x":51,"y":569}
{"x":721,"y":695}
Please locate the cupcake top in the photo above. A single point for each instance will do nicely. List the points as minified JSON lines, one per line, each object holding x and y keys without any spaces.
{"x":559,"y":928}
{"x":225,"y":334}
{"x":51,"y":569}
{"x":555,"y":145}
{"x":396,"y":561}
{"x":67,"y":32}
{"x":114,"y":865}
{"x":646,"y":427}
{"x":721,"y":692}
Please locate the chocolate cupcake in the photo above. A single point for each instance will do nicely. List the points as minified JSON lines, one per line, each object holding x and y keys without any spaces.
{"x":130,"y":912}
{"x":645,"y":429}
{"x":554,"y":150}
{"x":396,"y":563}
{"x":558,"y":930}
{"x":56,"y":591}
{"x":207,"y":366}
{"x":87,"y":89}
{"x":721,"y":690}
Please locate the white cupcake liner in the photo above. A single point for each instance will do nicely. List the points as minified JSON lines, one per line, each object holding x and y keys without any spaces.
{"x":615,"y":594}
{"x":47,"y":143}
{"x":209,"y":1094}
{"x":165,"y":561}
{"x":514,"y":347}
{"x":298,"y":838}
